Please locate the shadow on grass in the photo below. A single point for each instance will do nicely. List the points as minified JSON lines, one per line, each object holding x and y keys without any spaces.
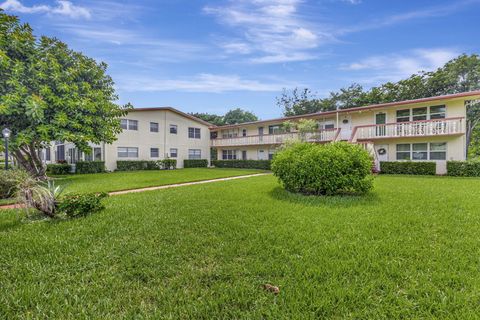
{"x":338,"y":201}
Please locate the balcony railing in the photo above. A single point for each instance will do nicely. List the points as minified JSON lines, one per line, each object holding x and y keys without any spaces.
{"x":437,"y":127}
{"x":271,"y":139}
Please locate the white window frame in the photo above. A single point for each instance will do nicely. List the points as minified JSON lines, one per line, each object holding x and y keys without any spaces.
{"x":428,"y":115}
{"x":129,"y":124}
{"x":157,"y":127}
{"x":194,"y":154}
{"x":428,"y":151}
{"x":194,"y":133}
{"x":229,"y":154}
{"x":158,"y":152}
{"x":130,"y":152}
{"x":174,"y":127}
{"x":173,"y":154}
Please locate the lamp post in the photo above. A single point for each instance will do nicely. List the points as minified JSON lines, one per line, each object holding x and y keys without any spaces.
{"x":6,"y":134}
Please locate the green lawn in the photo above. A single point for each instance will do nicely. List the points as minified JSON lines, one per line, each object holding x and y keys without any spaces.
{"x":410,"y":249}
{"x":116,"y":181}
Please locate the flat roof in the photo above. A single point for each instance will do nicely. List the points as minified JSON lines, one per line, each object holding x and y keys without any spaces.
{"x":369,"y":107}
{"x":175,"y":111}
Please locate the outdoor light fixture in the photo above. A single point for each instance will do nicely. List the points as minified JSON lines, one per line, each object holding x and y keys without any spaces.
{"x":6,"y":134}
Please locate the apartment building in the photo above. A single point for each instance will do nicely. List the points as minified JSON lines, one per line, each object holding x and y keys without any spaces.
{"x":430,"y":129}
{"x":148,"y":134}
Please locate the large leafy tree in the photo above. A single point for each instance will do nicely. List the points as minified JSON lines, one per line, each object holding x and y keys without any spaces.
{"x":461,"y":74}
{"x":49,"y":92}
{"x":233,"y":116}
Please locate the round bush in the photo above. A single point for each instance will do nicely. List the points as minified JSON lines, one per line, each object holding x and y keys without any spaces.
{"x":328,"y":169}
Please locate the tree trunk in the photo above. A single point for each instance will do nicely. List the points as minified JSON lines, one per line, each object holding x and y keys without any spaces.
{"x":27,"y":158}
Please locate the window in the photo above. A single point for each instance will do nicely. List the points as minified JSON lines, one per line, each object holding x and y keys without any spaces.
{"x":329,"y":126}
{"x":422,"y":151}
{"x":173,"y":152}
{"x":229,"y":154}
{"x":127,"y":124}
{"x":230,"y":133}
{"x":47,"y":154}
{"x":194,"y":154}
{"x":244,"y":155}
{"x":403,"y":115}
{"x":154,"y":153}
{"x":419,"y":114}
{"x":173,"y":129}
{"x":271,"y":153}
{"x":244,"y":132}
{"x":274,"y":129}
{"x":438,"y":151}
{"x":127,"y":152}
{"x":88,"y":156}
{"x":124,"y":124}
{"x":403,"y":151}
{"x":194,"y":133}
{"x":60,"y":156}
{"x":437,"y":112}
{"x":153,"y":126}
{"x":97,"y":154}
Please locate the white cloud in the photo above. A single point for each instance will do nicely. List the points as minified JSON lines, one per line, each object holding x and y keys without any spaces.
{"x":272,"y":30}
{"x":204,"y":82}
{"x":63,"y":8}
{"x":393,"y":67}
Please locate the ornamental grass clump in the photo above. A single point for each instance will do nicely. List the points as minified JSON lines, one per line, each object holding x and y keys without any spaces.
{"x":328,"y":169}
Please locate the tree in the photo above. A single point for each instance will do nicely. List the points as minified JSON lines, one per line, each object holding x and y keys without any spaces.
{"x":238,"y":115}
{"x":212,"y":118}
{"x":49,"y":92}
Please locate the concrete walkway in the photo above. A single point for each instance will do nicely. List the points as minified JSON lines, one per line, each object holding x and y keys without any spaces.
{"x":168,"y":186}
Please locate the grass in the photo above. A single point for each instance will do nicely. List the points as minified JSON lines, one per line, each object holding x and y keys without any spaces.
{"x":115,"y":181}
{"x":410,"y":249}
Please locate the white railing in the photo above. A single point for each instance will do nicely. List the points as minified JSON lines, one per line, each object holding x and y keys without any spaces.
{"x":271,"y":139}
{"x":410,"y":129}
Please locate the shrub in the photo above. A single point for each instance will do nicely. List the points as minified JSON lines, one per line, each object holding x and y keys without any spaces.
{"x":408,"y":167}
{"x":90,"y":167}
{"x":195,"y":163}
{"x":327,"y":169}
{"x":59,"y":169}
{"x":75,"y":205}
{"x":463,"y":168}
{"x":242,"y":164}
{"x":134,"y":165}
{"x":9,"y":181}
{"x":39,"y":195}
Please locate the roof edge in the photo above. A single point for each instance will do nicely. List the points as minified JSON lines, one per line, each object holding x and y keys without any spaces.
{"x":175,"y":111}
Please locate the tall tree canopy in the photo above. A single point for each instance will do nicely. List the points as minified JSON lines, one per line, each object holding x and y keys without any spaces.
{"x":231,"y":117}
{"x":461,"y":74}
{"x":49,"y":92}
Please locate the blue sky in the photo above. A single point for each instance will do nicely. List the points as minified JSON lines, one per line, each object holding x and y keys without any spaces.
{"x":211,"y":56}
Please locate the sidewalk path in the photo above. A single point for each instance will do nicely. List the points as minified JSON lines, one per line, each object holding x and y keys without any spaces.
{"x":168,"y":186}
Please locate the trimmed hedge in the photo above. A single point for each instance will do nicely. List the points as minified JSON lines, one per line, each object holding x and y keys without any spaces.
{"x":243,"y":164}
{"x":463,"y":168}
{"x":90,"y":167}
{"x":59,"y":168}
{"x":134,"y":165}
{"x":324,"y":169}
{"x":195,"y":163}
{"x":408,"y":167}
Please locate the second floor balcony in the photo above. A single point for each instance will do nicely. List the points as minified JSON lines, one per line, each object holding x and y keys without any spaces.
{"x":320,"y":136}
{"x":424,"y":128}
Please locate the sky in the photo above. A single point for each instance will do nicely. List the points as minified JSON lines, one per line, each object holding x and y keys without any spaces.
{"x":212,"y":56}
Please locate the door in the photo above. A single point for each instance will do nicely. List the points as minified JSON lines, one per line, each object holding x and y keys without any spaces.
{"x":380,"y":121}
{"x":260,"y":134}
{"x":382,"y":152}
{"x":262,"y":155}
{"x":345,"y":127}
